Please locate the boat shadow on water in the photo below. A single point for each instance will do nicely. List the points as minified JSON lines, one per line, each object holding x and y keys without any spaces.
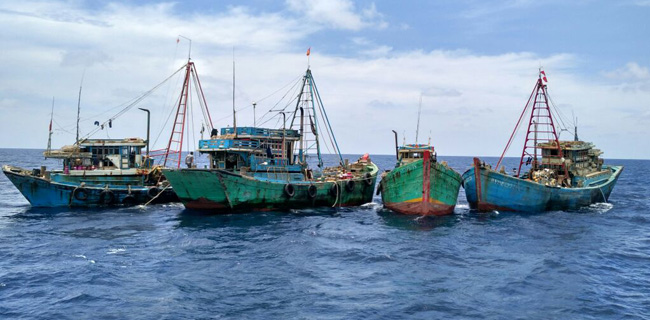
{"x":416,"y":223}
{"x":189,"y":218}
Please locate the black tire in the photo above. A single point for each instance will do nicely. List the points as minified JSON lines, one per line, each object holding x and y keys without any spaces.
{"x":289,"y":190}
{"x":153,"y":192}
{"x":349,"y":185}
{"x":335,"y":189}
{"x":80,"y":194}
{"x":312,"y":191}
{"x":129,"y":200}
{"x":368,"y":178}
{"x":106,"y":197}
{"x":378,"y":189}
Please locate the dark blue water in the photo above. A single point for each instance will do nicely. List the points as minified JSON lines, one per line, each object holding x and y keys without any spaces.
{"x":163,"y":262}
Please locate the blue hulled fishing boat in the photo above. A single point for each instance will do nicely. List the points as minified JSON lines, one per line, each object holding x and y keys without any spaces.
{"x":95,"y":172}
{"x":569,"y":175}
{"x":101,"y":172}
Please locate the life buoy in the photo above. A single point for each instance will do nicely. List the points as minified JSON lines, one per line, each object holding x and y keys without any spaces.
{"x":311,"y":191}
{"x":80,"y":194}
{"x":368,"y":178}
{"x":289,"y":190}
{"x":349,"y":185}
{"x":129,"y":200}
{"x":106,"y":197}
{"x":335,"y":189}
{"x":153,"y":192}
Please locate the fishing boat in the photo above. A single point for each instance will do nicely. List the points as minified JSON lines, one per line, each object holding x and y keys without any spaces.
{"x":563,"y":175}
{"x":419,"y":184}
{"x":257,"y":168}
{"x":95,"y":172}
{"x":105,"y":172}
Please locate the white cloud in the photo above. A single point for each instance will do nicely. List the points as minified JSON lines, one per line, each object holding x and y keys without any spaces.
{"x":471,"y":101}
{"x":631,"y":71}
{"x":339,"y":14}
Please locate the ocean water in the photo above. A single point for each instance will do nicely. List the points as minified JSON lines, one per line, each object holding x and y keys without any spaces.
{"x":165,"y":262}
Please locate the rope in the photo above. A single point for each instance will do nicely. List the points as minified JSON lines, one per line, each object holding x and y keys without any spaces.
{"x":159,"y":193}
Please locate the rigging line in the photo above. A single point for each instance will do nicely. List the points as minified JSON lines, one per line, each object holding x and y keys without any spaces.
{"x":192,"y":123}
{"x":202,"y":104}
{"x":168,"y":97}
{"x":127,"y":108}
{"x":338,"y":150}
{"x":294,"y":87}
{"x":328,"y":130}
{"x":276,"y":91}
{"x":171,"y":111}
{"x":60,"y":127}
{"x":559,"y":114}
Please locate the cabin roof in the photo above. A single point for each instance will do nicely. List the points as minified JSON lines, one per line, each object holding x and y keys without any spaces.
{"x":415,"y":147}
{"x":260,"y":133}
{"x":134,"y":142}
{"x":567,"y":145}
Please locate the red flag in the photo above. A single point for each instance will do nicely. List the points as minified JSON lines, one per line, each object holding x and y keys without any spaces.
{"x":544,"y":75}
{"x":308,"y":50}
{"x":178,"y":40}
{"x":50,"y":125}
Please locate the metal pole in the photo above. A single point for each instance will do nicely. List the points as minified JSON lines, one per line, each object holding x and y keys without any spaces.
{"x":148,"y":124}
{"x":396,"y":146}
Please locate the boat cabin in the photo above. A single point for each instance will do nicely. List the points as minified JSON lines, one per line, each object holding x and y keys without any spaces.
{"x":581,"y":159}
{"x":254,"y":149}
{"x":102,"y":154}
{"x":413,"y":152}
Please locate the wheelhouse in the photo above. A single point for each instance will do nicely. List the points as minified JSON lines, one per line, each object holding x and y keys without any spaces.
{"x":102,"y":154}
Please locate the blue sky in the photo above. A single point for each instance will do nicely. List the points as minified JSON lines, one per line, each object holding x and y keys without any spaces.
{"x":475,"y":63}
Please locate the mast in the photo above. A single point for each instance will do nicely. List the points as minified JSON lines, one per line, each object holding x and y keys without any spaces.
{"x":79,"y":106}
{"x":542,"y":128}
{"x":49,"y":139}
{"x":234,"y":112}
{"x":417,"y":130}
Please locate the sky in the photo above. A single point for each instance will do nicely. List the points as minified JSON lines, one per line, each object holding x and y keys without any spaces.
{"x":474,"y":63}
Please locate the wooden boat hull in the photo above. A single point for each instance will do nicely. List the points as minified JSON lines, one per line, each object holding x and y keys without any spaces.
{"x":41,"y":192}
{"x":489,"y":190}
{"x":225,"y":191}
{"x":408,"y":189}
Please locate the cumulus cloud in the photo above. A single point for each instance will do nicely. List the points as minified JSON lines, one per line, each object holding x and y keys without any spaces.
{"x":127,"y":49}
{"x":339,"y":14}
{"x":631,"y":71}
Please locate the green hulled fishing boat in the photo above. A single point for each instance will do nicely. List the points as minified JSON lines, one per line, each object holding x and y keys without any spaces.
{"x":255,"y":168}
{"x":420,"y":184}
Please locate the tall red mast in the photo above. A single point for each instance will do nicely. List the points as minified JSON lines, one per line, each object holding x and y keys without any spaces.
{"x":175,"y":144}
{"x":541,"y":128}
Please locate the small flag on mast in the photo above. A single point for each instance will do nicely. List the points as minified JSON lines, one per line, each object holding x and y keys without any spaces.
{"x":308,"y":51}
{"x":543,"y":75}
{"x":178,"y":40}
{"x":50,"y":125}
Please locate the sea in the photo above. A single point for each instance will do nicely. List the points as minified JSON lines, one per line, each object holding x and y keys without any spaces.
{"x":166,"y":262}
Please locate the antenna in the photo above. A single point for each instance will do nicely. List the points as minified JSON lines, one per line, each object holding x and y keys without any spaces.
{"x":254,"y":105}
{"x":79,"y":105}
{"x":417,"y":130}
{"x":49,"y":139}
{"x":189,"y":53}
{"x":234,"y":112}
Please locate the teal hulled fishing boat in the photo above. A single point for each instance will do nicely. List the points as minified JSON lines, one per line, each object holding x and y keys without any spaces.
{"x":419,"y":184}
{"x":256,"y":168}
{"x":570,"y":175}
